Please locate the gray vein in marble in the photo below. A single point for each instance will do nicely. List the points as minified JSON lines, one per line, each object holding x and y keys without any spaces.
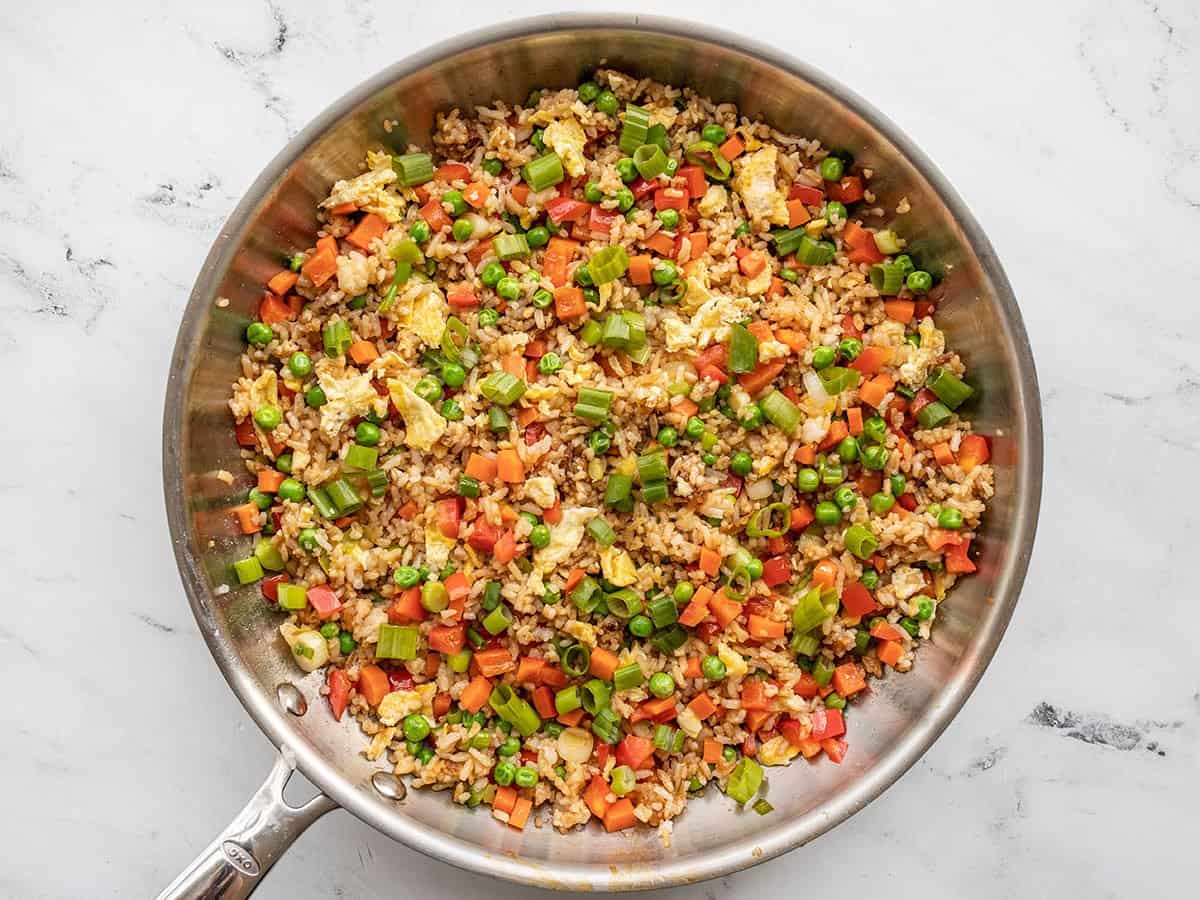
{"x":1100,"y":730}
{"x":154,"y":623}
{"x":10,"y":637}
{"x":253,"y":64}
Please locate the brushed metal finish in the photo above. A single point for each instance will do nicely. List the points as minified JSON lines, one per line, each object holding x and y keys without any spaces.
{"x":891,"y":729}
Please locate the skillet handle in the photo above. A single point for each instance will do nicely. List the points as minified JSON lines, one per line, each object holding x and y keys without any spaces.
{"x":233,"y":865}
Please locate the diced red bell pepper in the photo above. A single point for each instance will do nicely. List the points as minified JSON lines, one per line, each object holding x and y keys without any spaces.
{"x":810,"y":195}
{"x":693,"y":177}
{"x":400,"y":679}
{"x":834,"y":749}
{"x":483,"y":535}
{"x":339,"y":692}
{"x":957,"y":560}
{"x":907,"y":501}
{"x":832,"y":726}
{"x":716,"y":355}
{"x":564,"y":209}
{"x":322,"y":599}
{"x":776,"y":570}
{"x":601,"y":220}
{"x":244,"y":432}
{"x":270,"y":586}
{"x":848,"y":190}
{"x":857,"y":600}
{"x":641,"y":187}
{"x":634,"y":751}
{"x":448,"y":514}
{"x":806,"y":686}
{"x":792,"y":731}
{"x":671,"y":198}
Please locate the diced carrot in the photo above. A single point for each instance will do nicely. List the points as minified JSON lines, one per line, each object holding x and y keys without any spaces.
{"x":683,"y":407}
{"x":272,"y":310}
{"x":764,"y":373}
{"x":527,"y":415}
{"x":752,"y":263}
{"x":604,"y":663}
{"x":552,"y":677}
{"x":710,"y":562}
{"x":520,"y":193}
{"x":458,"y":586}
{"x":321,"y":266}
{"x":369,"y":228}
{"x":479,"y":252}
{"x":494,"y":661}
{"x":344,"y":209}
{"x":886,"y":631}
{"x":733,"y":147}
{"x":509,"y":466}
{"x":529,"y":669}
{"x":802,"y":516}
{"x":476,"y":194}
{"x":699,"y":243}
{"x":693,"y":667}
{"x":283,"y":281}
{"x":957,"y":561}
{"x":372,"y":684}
{"x":441,"y":704}
{"x":837,"y":431}
{"x":874,"y":391}
{"x":755,"y":719}
{"x":693,"y":177}
{"x":596,"y":796}
{"x":943,"y":454}
{"x":620,"y":816}
{"x":889,"y":653}
{"x":797,"y":213}
{"x":462,"y":298}
{"x":435,"y":216}
{"x":848,"y":679}
{"x":702,"y":706}
{"x":639,"y":269}
{"x":520,"y":813}
{"x":476,"y":694}
{"x":569,"y":303}
{"x":939,"y":538}
{"x":573,"y":578}
{"x":329,"y":242}
{"x":249,"y":518}
{"x":697,"y":608}
{"x":481,"y":467}
{"x":363,"y":352}
{"x":433,"y":661}
{"x":900,"y":310}
{"x":754,"y":693}
{"x":269,"y":480}
{"x":554,"y":514}
{"x":574,"y":717}
{"x":408,"y":510}
{"x":543,"y":702}
{"x":834,"y":749}
{"x":505,"y":799}
{"x":724,"y":608}
{"x":406,"y":607}
{"x":661,"y":243}
{"x":825,"y":573}
{"x":761,"y":330}
{"x":854,"y":420}
{"x":973,"y":452}
{"x":806,"y":455}
{"x":872,"y":359}
{"x":514,"y":365}
{"x":764,"y":628}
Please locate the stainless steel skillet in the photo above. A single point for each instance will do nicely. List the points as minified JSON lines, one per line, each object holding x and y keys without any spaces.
{"x":892,"y":729}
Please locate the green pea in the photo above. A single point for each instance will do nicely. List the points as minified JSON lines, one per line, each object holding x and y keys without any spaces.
{"x":665,"y":273}
{"x":346,"y":643}
{"x":897,"y":484}
{"x":428,"y":389}
{"x":291,"y":489}
{"x":329,"y":630}
{"x":874,"y":457}
{"x":849,"y":348}
{"x":283,"y":462}
{"x":847,"y":450}
{"x":537,"y":236}
{"x":807,"y":480}
{"x":407,"y":576}
{"x":539,"y":537}
{"x":599,"y":442}
{"x":488,"y":318}
{"x":434,"y":596}
{"x":753,"y":417}
{"x":835,"y":701}
{"x":870,"y":579}
{"x":550,"y":363}
{"x":684,"y":591}
{"x":875,"y":429}
{"x":367,"y":434}
{"x":504,"y":773}
{"x":295,"y":262}
{"x":592,"y":192}
{"x":491,"y":274}
{"x":661,"y":685}
{"x":510,"y":746}
{"x":709,"y":459}
{"x":741,"y":464}
{"x":462,"y":230}
{"x":669,"y":218}
{"x":694,"y":428}
{"x":492,"y":166}
{"x":907,"y":266}
{"x":789,"y":274}
{"x":714,"y":134}
{"x":950,"y":519}
{"x":529,"y":517}
{"x":832,"y":168}
{"x":640,"y":626}
{"x":259,"y":334}
{"x":542,"y":299}
{"x":300,"y":364}
{"x":845,"y":498}
{"x":834,"y":210}
{"x":526,"y":777}
{"x":307,"y":539}
{"x":925,"y":608}
{"x":416,"y":727}
{"x":754,"y":567}
{"x":606,"y":103}
{"x":742,"y":230}
{"x":627,"y":170}
{"x":881,"y":504}
{"x":827,"y":513}
{"x":919,"y":282}
{"x":454,"y":199}
{"x":259,"y":499}
{"x":420,"y":231}
{"x":452,"y":410}
{"x":667,"y":436}
{"x":509,"y":288}
{"x":551,"y":597}
{"x":712,"y":668}
{"x":589,"y":91}
{"x":625,"y":199}
{"x":823,"y":357}
{"x":268,"y":417}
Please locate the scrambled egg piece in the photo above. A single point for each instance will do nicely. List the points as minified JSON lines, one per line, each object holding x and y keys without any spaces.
{"x":566,"y":138}
{"x":696,"y":276}
{"x":678,"y":332}
{"x":354,"y":272}
{"x":689,"y":722}
{"x":778,"y":751}
{"x":369,"y":191}
{"x":907,"y":582}
{"x":759,"y":284}
{"x":540,"y":489}
{"x":715,"y":199}
{"x":564,"y":537}
{"x":581,"y":631}
{"x":711,"y":322}
{"x":423,"y":426}
{"x":618,"y":567}
{"x":734,"y":664}
{"x":933,"y":344}
{"x":423,"y":309}
{"x":348,"y":394}
{"x":398,"y":704}
{"x":437,"y":546}
{"x":379,"y":743}
{"x":264,"y":390}
{"x":755,"y":182}
{"x":663,"y":115}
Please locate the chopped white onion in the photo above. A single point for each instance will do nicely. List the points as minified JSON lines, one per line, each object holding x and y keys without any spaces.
{"x":575,"y":745}
{"x":760,"y":490}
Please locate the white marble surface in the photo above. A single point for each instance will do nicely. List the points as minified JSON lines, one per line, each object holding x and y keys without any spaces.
{"x":1071,"y":128}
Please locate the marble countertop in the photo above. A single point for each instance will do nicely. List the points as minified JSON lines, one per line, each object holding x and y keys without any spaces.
{"x":1070,"y":128}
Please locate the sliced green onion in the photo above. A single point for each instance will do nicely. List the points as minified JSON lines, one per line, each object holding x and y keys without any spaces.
{"x":248,"y":570}
{"x":836,"y":379}
{"x":292,"y":596}
{"x":585,"y":596}
{"x":624,"y":603}
{"x":459,"y":662}
{"x":887,"y":242}
{"x":950,"y":389}
{"x":650,"y":160}
{"x":887,"y":278}
{"x":743,"y":349}
{"x":635,"y":129}
{"x":595,"y":695}
{"x":413,"y":168}
{"x":624,"y":780}
{"x":377,"y":481}
{"x":608,"y":264}
{"x":787,"y":240}
{"x":344,"y":497}
{"x":762,"y":807}
{"x":812,"y":608}
{"x":503,"y":388}
{"x":567,"y":700}
{"x":618,"y":492}
{"x":780,"y":412}
{"x":498,"y":620}
{"x":268,"y":555}
{"x":405,"y":250}
{"x":669,"y":640}
{"x":397,"y":642}
{"x":361,"y":458}
{"x":599,"y":529}
{"x":577,"y":658}
{"x":662,"y":611}
{"x":591,"y":333}
{"x":454,"y":339}
{"x":336,"y":338}
{"x":593,"y":404}
{"x":707,"y":156}
{"x":664,"y":736}
{"x":804,"y":644}
{"x":810,"y":252}
{"x":628,"y":677}
{"x":510,"y":246}
{"x":543,"y":172}
{"x":860,"y":541}
{"x":498,"y":420}
{"x":607,"y":726}
{"x":771,"y":521}
{"x":652,"y":466}
{"x":616,"y":332}
{"x":745,"y":780}
{"x":654,"y":492}
{"x":934,"y":414}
